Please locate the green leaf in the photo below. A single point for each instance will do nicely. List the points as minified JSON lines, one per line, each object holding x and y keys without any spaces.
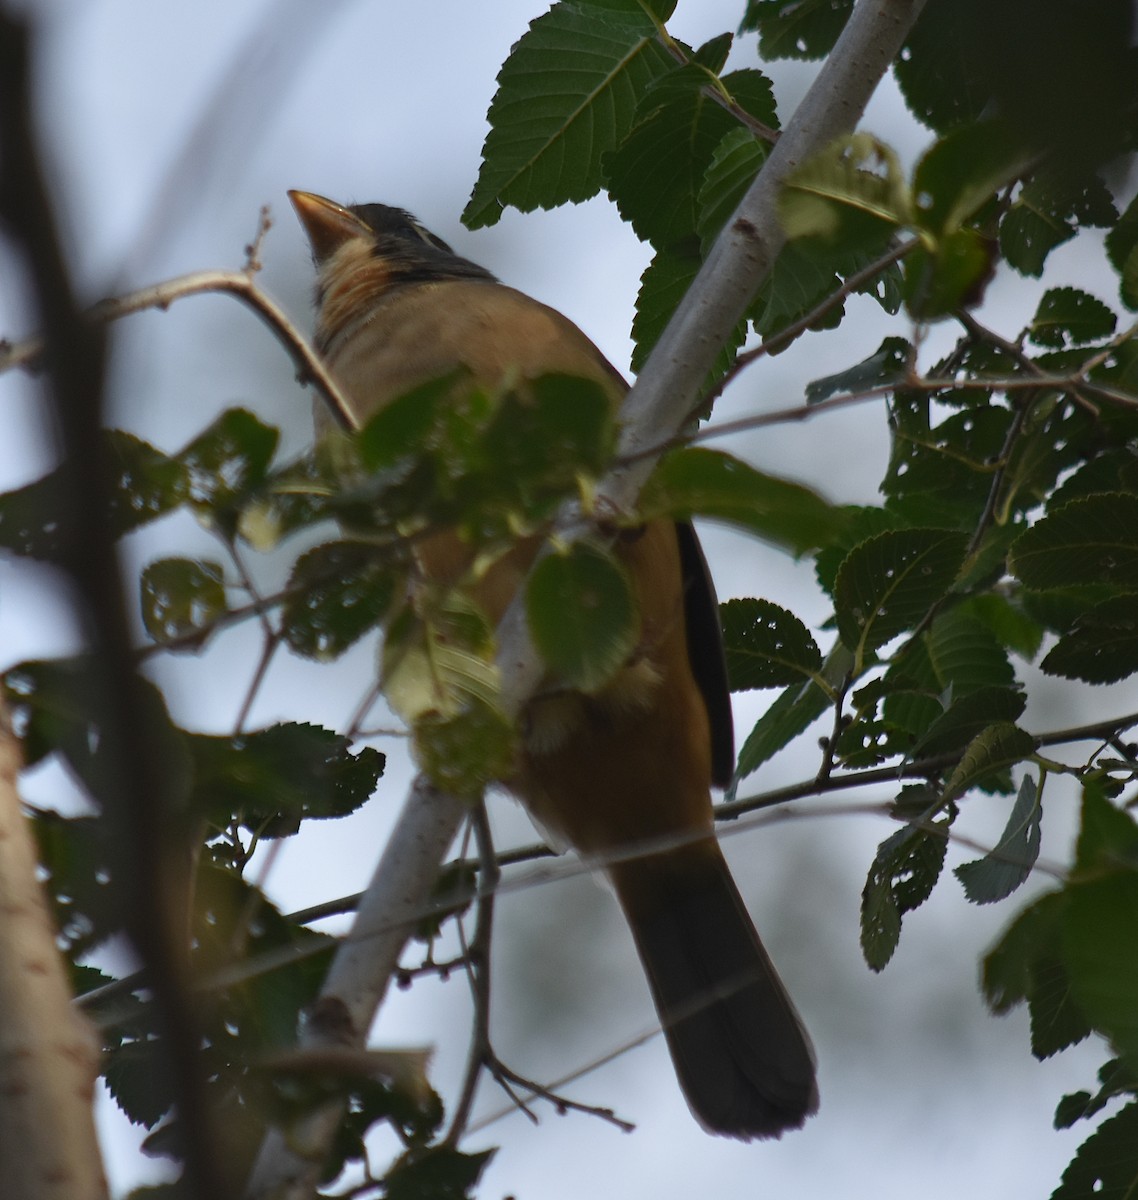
{"x":1122,"y":250}
{"x":1100,"y":942}
{"x":901,"y":878}
{"x":965,"y":655}
{"x":438,"y":660}
{"x":144,"y":485}
{"x":1105,"y":1166}
{"x":1067,"y":317}
{"x":582,"y":615}
{"x":791,"y":713}
{"x":887,"y":584}
{"x":225,"y":462}
{"x":438,"y":1173}
{"x":1001,"y":745}
{"x":962,"y":171}
{"x":465,"y":751}
{"x":998,"y":874}
{"x":798,"y":282}
{"x":1102,"y":645}
{"x":337,"y":592}
{"x":885,"y":368}
{"x":662,"y":286}
{"x":1108,"y":837}
{"x":709,"y":483}
{"x":181,"y":597}
{"x":950,"y":276}
{"x":1116,"y":1080}
{"x":1027,"y":964}
{"x":796,"y":28}
{"x":657,"y":174}
{"x":966,"y":718}
{"x":766,"y":646}
{"x":566,"y":97}
{"x":731,"y":171}
{"x":1049,"y":211}
{"x":272,"y":779}
{"x":1011,"y":626}
{"x":851,"y":196}
{"x":1094,"y":540}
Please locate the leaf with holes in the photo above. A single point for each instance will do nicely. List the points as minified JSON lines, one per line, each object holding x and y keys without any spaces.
{"x":766,"y":646}
{"x":887,"y":584}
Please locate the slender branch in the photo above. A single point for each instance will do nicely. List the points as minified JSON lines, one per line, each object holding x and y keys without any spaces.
{"x":240,"y":284}
{"x":783,"y":338}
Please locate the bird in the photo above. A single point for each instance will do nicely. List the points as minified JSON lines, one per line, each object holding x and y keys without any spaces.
{"x":623,"y":775}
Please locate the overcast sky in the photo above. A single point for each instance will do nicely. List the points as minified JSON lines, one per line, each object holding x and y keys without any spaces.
{"x":168,"y":126}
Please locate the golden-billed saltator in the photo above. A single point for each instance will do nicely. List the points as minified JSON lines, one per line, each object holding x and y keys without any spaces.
{"x":632,"y":764}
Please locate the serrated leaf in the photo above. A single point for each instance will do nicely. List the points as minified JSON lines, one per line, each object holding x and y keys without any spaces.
{"x":1026,"y":964}
{"x":566,"y":97}
{"x":796,"y":28}
{"x":766,"y":646}
{"x":967,"y":717}
{"x":1088,"y":541}
{"x":791,"y":713}
{"x":656,"y":175}
{"x":337,"y":592}
{"x":962,"y":171}
{"x":436,"y":661}
{"x":851,"y":196}
{"x":1011,"y":626}
{"x":887,"y":366}
{"x":1001,"y":745}
{"x":271,"y":779}
{"x":888,"y":583}
{"x":582,"y":615}
{"x":901,"y":878}
{"x":144,"y":485}
{"x":998,"y":874}
{"x":224,"y":462}
{"x":465,"y":751}
{"x":1049,"y":211}
{"x":949,"y":276}
{"x":731,"y":171}
{"x":662,"y":286}
{"x":797,"y":283}
{"x":965,"y":655}
{"x":438,"y":1173}
{"x":709,"y":483}
{"x":1102,"y":645}
{"x":1105,"y":1166}
{"x":1067,"y":317}
{"x":1100,"y":943}
{"x":181,"y":597}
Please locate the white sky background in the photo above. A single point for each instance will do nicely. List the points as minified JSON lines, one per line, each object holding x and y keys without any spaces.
{"x":922,"y":1091}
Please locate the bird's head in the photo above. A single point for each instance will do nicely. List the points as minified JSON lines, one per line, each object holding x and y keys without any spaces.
{"x":362,"y":251}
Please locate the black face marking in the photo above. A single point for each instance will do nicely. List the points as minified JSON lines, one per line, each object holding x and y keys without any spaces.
{"x":413,"y":251}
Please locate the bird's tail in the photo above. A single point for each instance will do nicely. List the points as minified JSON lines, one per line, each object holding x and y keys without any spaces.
{"x":741,"y":1054}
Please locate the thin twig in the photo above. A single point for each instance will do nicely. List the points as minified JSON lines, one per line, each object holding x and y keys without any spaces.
{"x":310,"y":369}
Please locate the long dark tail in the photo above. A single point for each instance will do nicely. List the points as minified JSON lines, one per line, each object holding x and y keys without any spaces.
{"x":740,"y":1051}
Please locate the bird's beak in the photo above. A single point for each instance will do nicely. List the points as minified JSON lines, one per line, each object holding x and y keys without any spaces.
{"x":328,"y":224}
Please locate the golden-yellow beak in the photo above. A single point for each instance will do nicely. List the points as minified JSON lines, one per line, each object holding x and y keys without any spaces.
{"x":328,"y":224}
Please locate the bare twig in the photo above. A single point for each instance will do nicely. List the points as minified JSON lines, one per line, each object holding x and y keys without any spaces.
{"x":310,"y":368}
